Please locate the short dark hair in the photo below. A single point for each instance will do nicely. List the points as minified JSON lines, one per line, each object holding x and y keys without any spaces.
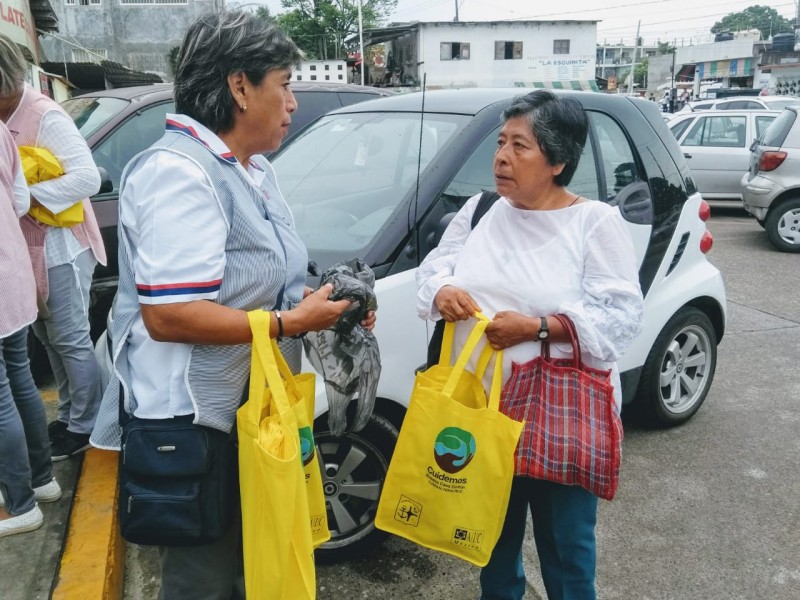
{"x":220,"y":44}
{"x":559,"y":125}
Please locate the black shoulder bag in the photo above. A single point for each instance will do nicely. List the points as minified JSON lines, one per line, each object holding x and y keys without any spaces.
{"x":177,"y":481}
{"x":435,"y":345}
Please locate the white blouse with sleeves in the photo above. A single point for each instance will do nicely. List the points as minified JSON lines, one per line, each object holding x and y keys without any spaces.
{"x":578,"y":261}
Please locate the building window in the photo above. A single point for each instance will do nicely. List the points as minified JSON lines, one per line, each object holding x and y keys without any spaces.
{"x":130,"y":2}
{"x":453,"y":51}
{"x":313,"y":67}
{"x":560,"y":46}
{"x":327,"y":67}
{"x":339,"y":67}
{"x":69,"y":2}
{"x":299,"y":78}
{"x":507,"y":50}
{"x":89,"y":55}
{"x":341,"y":77}
{"x":313,"y":78}
{"x":327,"y":77}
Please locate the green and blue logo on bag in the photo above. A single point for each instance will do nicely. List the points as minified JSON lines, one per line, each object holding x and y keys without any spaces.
{"x":453,"y":449}
{"x":306,"y":444}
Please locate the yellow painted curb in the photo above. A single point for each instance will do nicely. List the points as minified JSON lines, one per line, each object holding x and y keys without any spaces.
{"x":93,"y":563}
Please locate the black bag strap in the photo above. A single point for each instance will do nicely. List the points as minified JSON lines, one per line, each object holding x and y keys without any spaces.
{"x":435,"y":345}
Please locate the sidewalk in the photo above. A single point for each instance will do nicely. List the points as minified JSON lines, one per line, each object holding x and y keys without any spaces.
{"x":77,"y":554}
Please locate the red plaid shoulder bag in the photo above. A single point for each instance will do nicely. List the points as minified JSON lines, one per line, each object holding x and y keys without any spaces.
{"x":573,"y":433}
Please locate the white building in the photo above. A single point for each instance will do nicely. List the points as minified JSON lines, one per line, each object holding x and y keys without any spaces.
{"x":333,"y":71}
{"x":557,"y":54}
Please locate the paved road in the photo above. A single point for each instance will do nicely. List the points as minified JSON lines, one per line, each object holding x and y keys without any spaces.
{"x":707,"y":511}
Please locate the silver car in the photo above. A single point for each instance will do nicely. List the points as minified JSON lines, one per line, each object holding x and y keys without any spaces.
{"x":771,"y":187}
{"x":716,"y":144}
{"x":741,"y":103}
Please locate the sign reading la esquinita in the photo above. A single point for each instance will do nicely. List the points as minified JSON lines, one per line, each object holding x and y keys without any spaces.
{"x":562,"y":67}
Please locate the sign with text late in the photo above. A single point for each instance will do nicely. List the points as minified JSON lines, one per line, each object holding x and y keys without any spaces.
{"x":17,"y":23}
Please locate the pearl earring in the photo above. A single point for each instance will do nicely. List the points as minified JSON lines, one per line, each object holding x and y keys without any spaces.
{"x":244,"y":107}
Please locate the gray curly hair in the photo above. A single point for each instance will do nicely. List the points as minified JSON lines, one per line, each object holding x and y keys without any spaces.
{"x":12,"y":68}
{"x":220,"y":44}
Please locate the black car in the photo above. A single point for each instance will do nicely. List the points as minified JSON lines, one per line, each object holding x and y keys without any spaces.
{"x":120,"y":123}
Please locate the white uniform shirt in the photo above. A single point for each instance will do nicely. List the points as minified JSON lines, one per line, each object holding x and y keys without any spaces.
{"x":177,"y":232}
{"x":578,"y":261}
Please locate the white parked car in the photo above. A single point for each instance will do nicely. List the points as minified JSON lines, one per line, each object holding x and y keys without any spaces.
{"x":380,"y":180}
{"x":716,"y":145}
{"x":771,"y":187}
{"x":741,"y":103}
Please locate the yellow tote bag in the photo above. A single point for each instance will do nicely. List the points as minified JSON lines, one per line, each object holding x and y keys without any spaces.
{"x":276,"y":526}
{"x":450,"y":477}
{"x":301,"y":390}
{"x":39,"y":165}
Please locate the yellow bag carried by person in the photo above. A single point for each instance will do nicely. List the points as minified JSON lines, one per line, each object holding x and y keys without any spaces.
{"x":40,"y":165}
{"x":450,"y":477}
{"x":276,"y":524}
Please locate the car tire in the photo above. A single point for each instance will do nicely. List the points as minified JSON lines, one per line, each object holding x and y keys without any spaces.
{"x":783,"y":225}
{"x":679,"y":370}
{"x":365,"y":455}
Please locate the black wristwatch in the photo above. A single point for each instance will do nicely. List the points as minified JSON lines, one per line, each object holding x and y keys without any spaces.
{"x":543,"y":332}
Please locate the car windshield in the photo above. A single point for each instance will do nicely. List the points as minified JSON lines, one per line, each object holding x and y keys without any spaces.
{"x":347,"y":175}
{"x":782,"y":103}
{"x":90,"y":114}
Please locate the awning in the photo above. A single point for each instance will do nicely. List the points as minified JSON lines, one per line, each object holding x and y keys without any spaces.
{"x":736,"y":67}
{"x":589,"y":85}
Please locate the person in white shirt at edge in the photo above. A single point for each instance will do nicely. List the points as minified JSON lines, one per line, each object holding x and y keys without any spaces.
{"x":63,"y":257}
{"x":539,"y":251}
{"x":26,"y":471}
{"x":205,"y":236}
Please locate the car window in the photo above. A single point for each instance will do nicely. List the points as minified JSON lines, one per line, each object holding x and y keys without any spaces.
{"x":130,"y":138}
{"x":90,"y":114}
{"x":703,"y":106}
{"x":762,"y":123}
{"x":618,"y":162}
{"x":475,"y":176}
{"x":782,"y":103}
{"x":777,"y":131}
{"x":348,"y":98}
{"x":739,"y":105}
{"x":584,"y":181}
{"x":347,"y":175}
{"x":718,"y":131}
{"x":725,"y":105}
{"x":311,"y":105}
{"x":678,"y":128}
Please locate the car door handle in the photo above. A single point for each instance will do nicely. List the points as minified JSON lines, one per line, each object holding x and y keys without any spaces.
{"x":686,"y":155}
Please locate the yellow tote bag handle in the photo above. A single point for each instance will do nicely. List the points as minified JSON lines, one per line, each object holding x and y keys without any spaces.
{"x":469,"y":347}
{"x":265,"y":367}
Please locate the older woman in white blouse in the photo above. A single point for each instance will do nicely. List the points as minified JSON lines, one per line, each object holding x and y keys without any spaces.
{"x":541,"y":250}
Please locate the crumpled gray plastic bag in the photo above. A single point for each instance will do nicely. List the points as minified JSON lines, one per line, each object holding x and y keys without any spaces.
{"x":346,"y":354}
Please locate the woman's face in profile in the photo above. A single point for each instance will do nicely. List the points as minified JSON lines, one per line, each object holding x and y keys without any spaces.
{"x":521,"y":170}
{"x":269,"y":110}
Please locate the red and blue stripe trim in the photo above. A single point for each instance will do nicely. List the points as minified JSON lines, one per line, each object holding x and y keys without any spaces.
{"x":192,"y":132}
{"x":178,"y":289}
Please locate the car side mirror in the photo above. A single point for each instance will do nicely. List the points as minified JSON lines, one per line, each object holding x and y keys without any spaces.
{"x":106,"y":185}
{"x":435,"y":236}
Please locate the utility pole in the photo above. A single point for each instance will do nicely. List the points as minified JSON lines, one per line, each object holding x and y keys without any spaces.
{"x":633,"y":64}
{"x":361,"y":42}
{"x":456,"y":19}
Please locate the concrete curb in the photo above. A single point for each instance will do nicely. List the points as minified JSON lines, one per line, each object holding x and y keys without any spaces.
{"x":93,"y":561}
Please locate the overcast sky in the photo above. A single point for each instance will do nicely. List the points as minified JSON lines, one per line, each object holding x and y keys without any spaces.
{"x":664,"y":20}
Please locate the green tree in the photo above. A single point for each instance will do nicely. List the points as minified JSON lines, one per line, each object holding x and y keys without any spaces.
{"x":320,"y":27}
{"x":764,"y":18}
{"x":665,"y":48}
{"x":262,"y":12}
{"x":640,"y":73}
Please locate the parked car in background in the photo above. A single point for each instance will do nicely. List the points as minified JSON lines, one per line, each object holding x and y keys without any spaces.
{"x":741,"y":103}
{"x":771,"y":187}
{"x":716,"y":145}
{"x":120,"y":123}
